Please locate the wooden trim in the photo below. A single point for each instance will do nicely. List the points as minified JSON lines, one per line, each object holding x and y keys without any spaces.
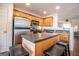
{"x":48,"y":17}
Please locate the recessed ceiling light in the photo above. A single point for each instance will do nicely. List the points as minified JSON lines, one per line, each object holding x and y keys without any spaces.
{"x":27,"y":4}
{"x":44,"y":12}
{"x":57,"y":7}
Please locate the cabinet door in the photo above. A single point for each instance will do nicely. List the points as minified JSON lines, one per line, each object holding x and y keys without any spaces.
{"x":40,"y":47}
{"x":48,"y":21}
{"x":64,"y":37}
{"x":40,"y":21}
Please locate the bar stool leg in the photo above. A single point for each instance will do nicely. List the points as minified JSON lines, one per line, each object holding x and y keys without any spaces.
{"x":68,"y":51}
{"x":65,"y":52}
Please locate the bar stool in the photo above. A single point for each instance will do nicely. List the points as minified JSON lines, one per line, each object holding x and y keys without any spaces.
{"x":66,"y":45}
{"x":4,"y":53}
{"x":18,"y":50}
{"x":56,"y":50}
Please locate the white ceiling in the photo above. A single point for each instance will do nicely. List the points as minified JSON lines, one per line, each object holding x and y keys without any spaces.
{"x":67,"y":10}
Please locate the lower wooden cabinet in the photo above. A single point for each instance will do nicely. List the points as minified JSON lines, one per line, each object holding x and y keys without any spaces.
{"x":65,"y":36}
{"x":40,"y":47}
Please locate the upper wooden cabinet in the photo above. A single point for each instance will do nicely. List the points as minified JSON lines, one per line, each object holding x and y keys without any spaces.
{"x":42,"y":21}
{"x":24,"y":15}
{"x":48,"y":21}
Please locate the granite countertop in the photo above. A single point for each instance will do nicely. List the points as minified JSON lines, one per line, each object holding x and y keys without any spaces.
{"x":38,"y":37}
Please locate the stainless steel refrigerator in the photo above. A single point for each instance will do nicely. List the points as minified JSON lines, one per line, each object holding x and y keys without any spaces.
{"x":21,"y":27}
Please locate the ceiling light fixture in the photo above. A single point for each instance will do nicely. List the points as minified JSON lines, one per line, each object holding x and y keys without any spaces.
{"x":67,"y":24}
{"x":57,"y":7}
{"x":27,"y":4}
{"x":44,"y":12}
{"x":76,"y":27}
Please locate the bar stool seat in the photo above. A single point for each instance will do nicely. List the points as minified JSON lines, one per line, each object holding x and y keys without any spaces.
{"x":66,"y":45}
{"x":18,"y":50}
{"x":56,"y":50}
{"x":4,"y":53}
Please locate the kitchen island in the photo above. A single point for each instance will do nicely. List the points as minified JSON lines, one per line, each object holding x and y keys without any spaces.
{"x":39,"y":42}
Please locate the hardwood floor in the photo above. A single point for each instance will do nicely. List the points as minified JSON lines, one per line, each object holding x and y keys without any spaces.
{"x":75,"y":52}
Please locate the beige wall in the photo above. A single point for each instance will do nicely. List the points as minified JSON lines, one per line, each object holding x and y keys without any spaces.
{"x":6,"y":14}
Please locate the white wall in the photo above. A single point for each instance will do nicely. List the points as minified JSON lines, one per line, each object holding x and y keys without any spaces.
{"x":6,"y":14}
{"x":74,"y":22}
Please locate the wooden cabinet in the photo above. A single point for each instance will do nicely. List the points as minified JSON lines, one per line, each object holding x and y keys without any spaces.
{"x":64,"y":36}
{"x":28,"y":16}
{"x":40,"y":47}
{"x":42,"y":21}
{"x":48,"y":21}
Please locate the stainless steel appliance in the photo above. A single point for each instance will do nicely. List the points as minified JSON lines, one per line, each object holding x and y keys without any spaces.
{"x":21,"y":26}
{"x":34,"y":26}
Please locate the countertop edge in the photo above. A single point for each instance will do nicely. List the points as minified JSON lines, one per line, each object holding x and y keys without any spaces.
{"x":42,"y":39}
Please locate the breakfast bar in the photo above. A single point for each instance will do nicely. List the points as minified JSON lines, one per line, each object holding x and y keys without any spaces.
{"x":39,"y":42}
